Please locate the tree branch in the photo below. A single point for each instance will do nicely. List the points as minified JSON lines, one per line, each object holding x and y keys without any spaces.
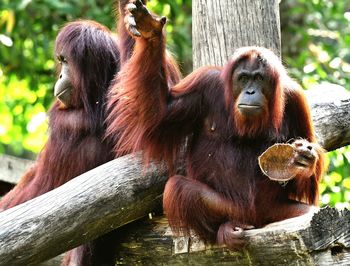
{"x":322,"y":239}
{"x":12,"y":168}
{"x":90,"y":205}
{"x":330,"y":110}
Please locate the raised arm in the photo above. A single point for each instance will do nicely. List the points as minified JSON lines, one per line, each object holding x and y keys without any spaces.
{"x":147,"y":110}
{"x":125,"y":41}
{"x":139,"y":96}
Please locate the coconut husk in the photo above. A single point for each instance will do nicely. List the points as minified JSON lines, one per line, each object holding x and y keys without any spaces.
{"x":276,"y":162}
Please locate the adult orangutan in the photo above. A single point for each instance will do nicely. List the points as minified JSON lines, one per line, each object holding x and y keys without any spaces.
{"x":227,"y":116}
{"x":88,"y":58}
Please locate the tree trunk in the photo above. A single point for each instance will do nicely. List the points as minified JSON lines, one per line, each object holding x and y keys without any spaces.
{"x":116,"y":193}
{"x":221,"y":26}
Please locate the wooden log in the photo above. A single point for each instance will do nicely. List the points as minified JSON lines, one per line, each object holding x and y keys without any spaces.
{"x":12,"y":168}
{"x":90,"y":205}
{"x":330,"y":110}
{"x":320,"y":239}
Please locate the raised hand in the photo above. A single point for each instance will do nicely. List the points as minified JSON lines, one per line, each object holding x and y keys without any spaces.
{"x":305,"y":153}
{"x":140,"y":22}
{"x":305,"y":157}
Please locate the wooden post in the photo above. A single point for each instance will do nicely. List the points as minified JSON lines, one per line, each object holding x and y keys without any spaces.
{"x":221,"y":26}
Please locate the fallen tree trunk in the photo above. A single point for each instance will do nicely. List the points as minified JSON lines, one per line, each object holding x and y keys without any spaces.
{"x":90,"y":205}
{"x":330,"y":110}
{"x":320,"y":239}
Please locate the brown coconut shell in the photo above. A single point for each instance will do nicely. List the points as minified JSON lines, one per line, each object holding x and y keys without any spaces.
{"x":276,"y":162}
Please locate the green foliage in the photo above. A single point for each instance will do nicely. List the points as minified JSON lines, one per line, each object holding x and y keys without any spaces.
{"x":27,"y":68}
{"x":315,"y":41}
{"x":335,"y":187}
{"x":179,"y":39}
{"x":27,"y":33}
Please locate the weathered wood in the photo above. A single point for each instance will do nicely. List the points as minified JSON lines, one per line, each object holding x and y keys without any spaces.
{"x":322,"y":239}
{"x":330,"y":109}
{"x":12,"y":168}
{"x":221,"y":26}
{"x":92,"y":204}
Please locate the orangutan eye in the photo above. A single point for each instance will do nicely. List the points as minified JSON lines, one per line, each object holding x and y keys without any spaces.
{"x":61,"y":59}
{"x":259,"y":77}
{"x":243,"y":78}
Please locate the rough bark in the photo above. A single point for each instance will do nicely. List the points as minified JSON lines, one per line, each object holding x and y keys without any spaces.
{"x":118,"y":193}
{"x":88,"y":206}
{"x":221,"y":26}
{"x":320,"y":239}
{"x":11,"y":168}
{"x":330,"y":109}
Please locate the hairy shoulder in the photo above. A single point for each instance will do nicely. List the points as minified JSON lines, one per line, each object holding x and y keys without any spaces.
{"x":203,"y":80}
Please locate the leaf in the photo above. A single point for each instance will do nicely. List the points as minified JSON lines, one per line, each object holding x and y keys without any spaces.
{"x":276,"y":162}
{"x":10,"y":21}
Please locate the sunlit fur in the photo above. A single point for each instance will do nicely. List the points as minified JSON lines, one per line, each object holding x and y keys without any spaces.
{"x":223,"y":182}
{"x":128,"y":121}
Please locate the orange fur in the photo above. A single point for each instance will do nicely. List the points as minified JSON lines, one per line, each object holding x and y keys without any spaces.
{"x":134,"y":112}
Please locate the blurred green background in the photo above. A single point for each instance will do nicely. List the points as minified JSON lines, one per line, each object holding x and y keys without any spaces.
{"x":315,"y":41}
